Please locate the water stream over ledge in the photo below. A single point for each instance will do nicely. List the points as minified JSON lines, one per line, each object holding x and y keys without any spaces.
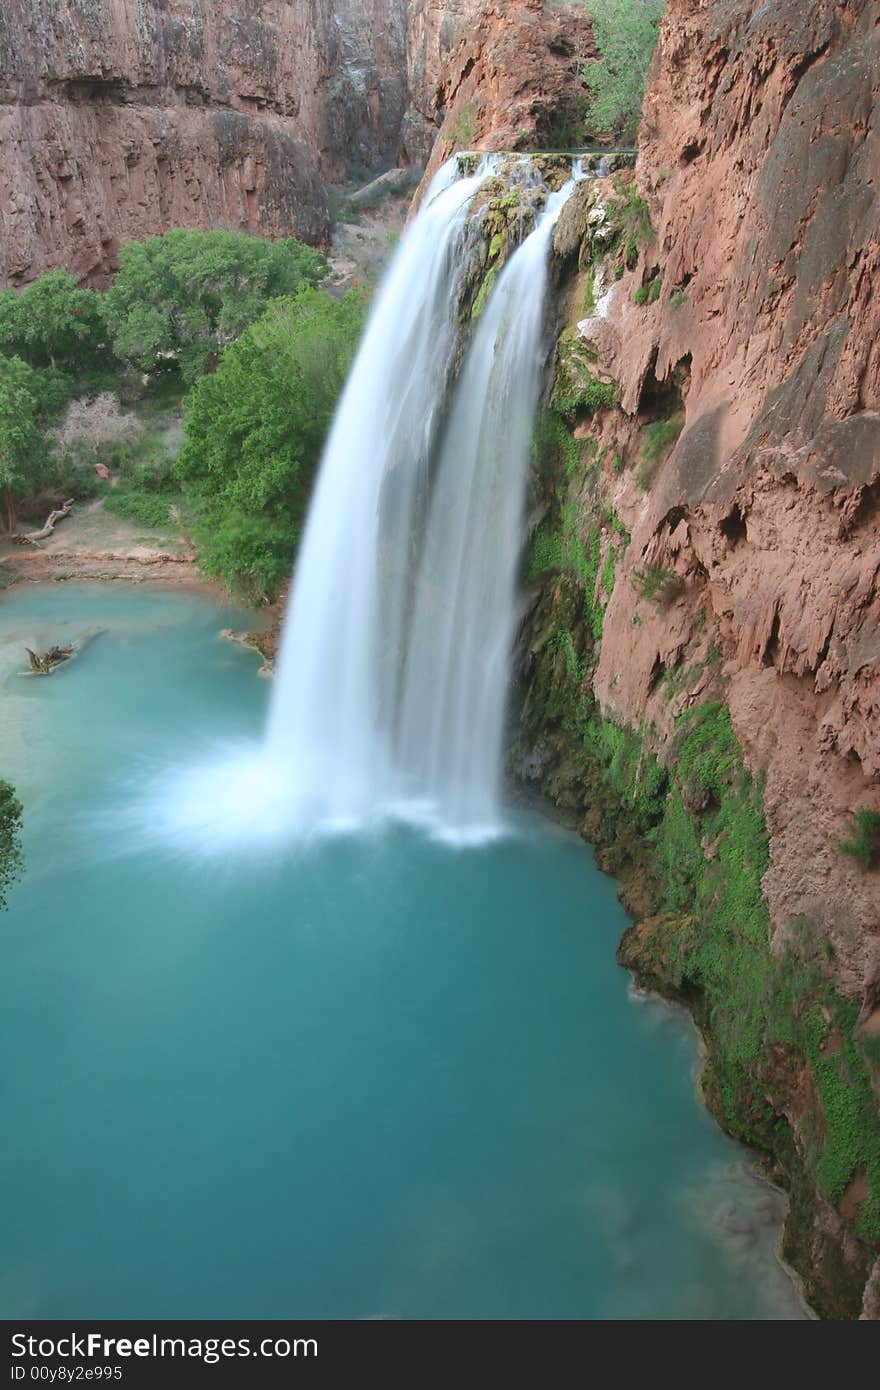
{"x":371,"y":1076}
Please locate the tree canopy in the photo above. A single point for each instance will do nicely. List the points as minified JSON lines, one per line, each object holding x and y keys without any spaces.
{"x":23,"y":400}
{"x":254,"y":433}
{"x":626,"y":35}
{"x":51,"y":322}
{"x":180,"y":298}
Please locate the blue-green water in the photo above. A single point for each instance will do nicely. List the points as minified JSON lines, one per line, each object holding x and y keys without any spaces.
{"x":372,"y":1077}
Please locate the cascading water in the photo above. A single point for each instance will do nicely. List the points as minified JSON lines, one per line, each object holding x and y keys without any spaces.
{"x":453,"y":704}
{"x":390,"y":693}
{"x":344,"y":635}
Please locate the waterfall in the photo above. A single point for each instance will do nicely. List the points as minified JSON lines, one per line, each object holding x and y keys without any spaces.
{"x":454,"y":693}
{"x":344,"y":633}
{"x":390,"y":693}
{"x":391,"y":685}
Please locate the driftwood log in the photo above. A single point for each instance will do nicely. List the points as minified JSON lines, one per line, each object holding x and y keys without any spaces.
{"x":45,"y":531}
{"x":44,"y":663}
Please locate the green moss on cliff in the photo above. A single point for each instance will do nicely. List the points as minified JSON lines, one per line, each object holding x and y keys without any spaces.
{"x":863,"y":842}
{"x":576,"y":389}
{"x":485,"y":290}
{"x":685,"y":831}
{"x":562,"y":547}
{"x":629,"y":221}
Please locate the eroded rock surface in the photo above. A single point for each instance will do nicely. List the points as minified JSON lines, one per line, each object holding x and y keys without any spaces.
{"x":714,"y":546}
{"x":759,"y":163}
{"x":122,"y":119}
{"x":494,"y":76}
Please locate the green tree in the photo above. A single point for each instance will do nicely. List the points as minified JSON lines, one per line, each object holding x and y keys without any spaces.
{"x":179,"y":299}
{"x":22,"y":441}
{"x":254,"y":433}
{"x":51,"y":322}
{"x":626,"y":35}
{"x":11,"y":859}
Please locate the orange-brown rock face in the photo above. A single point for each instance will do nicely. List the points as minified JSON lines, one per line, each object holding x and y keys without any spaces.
{"x":119,"y":118}
{"x":759,"y":160}
{"x":491,"y":75}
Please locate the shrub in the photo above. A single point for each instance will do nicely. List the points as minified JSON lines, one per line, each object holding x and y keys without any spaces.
{"x":179,"y":299}
{"x":11,"y":859}
{"x":626,"y":34}
{"x":23,"y":452}
{"x":51,"y":322}
{"x":657,"y":585}
{"x":864,"y":839}
{"x":144,"y":508}
{"x":254,"y":431}
{"x":251,"y":554}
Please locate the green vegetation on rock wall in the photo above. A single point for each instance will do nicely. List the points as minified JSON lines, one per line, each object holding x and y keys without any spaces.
{"x":680,"y":820}
{"x":11,"y":861}
{"x":626,"y":35}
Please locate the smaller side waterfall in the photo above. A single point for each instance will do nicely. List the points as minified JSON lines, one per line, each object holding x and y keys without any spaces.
{"x":456,"y":675}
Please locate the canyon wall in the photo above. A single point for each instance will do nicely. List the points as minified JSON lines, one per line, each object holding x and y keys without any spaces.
{"x":706,"y":567}
{"x":494,"y":75}
{"x":758,"y":161}
{"x":119,"y":118}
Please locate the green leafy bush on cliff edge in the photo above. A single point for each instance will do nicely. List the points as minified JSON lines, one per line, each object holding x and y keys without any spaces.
{"x":626,"y":35}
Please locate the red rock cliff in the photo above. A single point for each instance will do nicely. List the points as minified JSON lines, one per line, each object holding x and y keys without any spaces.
{"x":119,"y":118}
{"x":749,"y":316}
{"x":759,"y":160}
{"x":490,"y":75}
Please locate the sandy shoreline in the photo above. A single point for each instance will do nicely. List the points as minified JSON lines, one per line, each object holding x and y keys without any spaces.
{"x":95,"y":546}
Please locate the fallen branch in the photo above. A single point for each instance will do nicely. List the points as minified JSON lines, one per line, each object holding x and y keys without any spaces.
{"x":43,"y":664}
{"x":31,"y":537}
